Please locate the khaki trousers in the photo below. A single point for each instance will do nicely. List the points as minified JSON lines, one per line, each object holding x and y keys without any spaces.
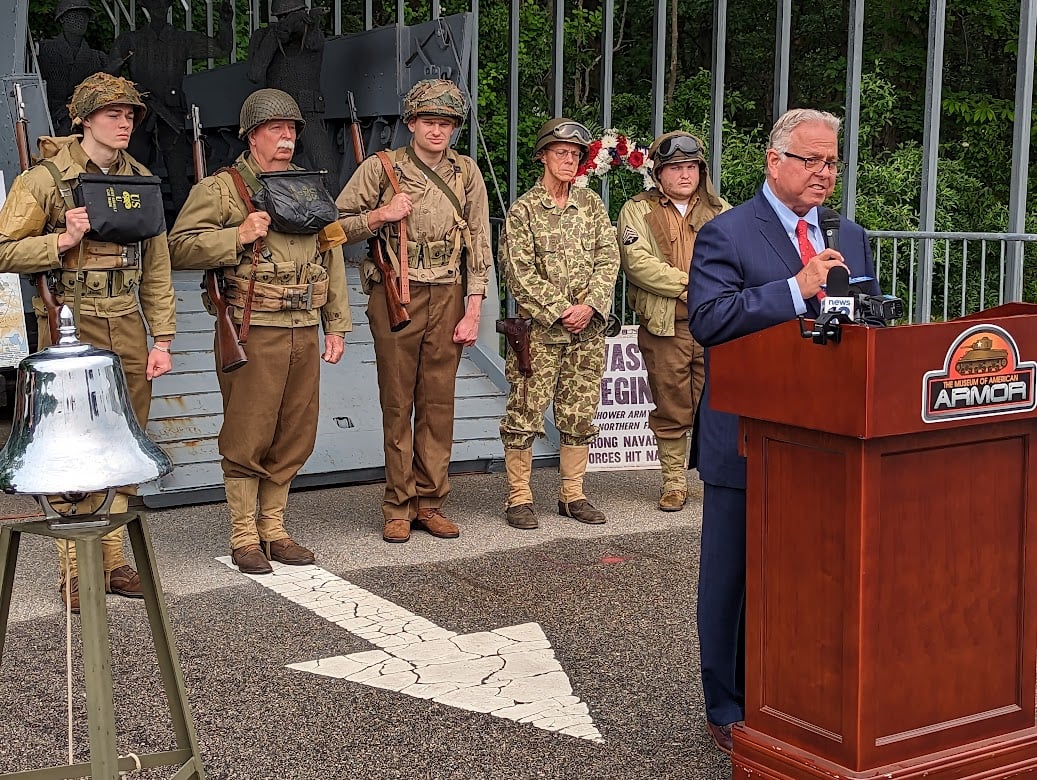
{"x":676,"y":374}
{"x":126,"y":337}
{"x":417,"y":368}
{"x":270,"y":404}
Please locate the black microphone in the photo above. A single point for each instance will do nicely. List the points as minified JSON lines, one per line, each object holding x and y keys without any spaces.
{"x":829,"y":222}
{"x":837,"y":298}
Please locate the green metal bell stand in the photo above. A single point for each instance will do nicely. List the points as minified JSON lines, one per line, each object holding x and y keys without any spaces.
{"x":105,"y":763}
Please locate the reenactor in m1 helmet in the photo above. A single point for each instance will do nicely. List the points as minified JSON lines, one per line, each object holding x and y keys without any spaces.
{"x":295,"y":286}
{"x":560,"y":260}
{"x":437,"y":196}
{"x":657,"y":232}
{"x":117,"y":287}
{"x":281,"y":8}
{"x":67,"y":59}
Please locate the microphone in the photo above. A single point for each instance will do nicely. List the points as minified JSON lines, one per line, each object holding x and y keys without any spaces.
{"x":837,"y":298}
{"x":829,"y":222}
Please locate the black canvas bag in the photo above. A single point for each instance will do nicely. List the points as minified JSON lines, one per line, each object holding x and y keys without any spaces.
{"x":298,"y":202}
{"x":122,"y":209}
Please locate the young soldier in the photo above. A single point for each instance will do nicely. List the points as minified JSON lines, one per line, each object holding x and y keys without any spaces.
{"x":42,"y":230}
{"x":442,"y":197}
{"x":560,"y":260}
{"x":270,"y":404}
{"x":657,"y":232}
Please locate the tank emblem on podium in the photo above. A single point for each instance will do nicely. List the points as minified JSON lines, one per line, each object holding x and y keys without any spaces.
{"x":982,"y":376}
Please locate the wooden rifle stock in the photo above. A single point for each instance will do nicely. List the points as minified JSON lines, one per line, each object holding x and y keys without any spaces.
{"x":232,"y":355}
{"x":398,"y":316}
{"x":41,"y":279}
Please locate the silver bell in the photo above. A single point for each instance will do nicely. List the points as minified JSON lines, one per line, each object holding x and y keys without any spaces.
{"x":74,"y":431}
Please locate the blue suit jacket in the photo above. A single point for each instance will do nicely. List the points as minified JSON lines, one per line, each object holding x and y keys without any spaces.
{"x":738,"y":285}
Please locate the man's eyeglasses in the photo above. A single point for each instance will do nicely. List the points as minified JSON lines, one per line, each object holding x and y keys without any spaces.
{"x":816,"y":164}
{"x":563,"y":154}
{"x":679,"y":144}
{"x":567,"y":131}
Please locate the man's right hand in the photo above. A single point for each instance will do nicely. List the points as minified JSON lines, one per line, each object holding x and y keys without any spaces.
{"x":396,"y":209}
{"x":77,"y":224}
{"x":256,"y":225}
{"x":815,"y":273}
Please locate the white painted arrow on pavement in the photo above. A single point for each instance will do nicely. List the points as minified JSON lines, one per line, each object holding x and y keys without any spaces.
{"x":508,"y":672}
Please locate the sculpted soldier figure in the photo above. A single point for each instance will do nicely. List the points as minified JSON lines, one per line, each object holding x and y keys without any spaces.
{"x":288,"y":55}
{"x":155,"y":57}
{"x":657,"y":232}
{"x":41,"y":229}
{"x":67,"y":59}
{"x":270,"y":404}
{"x":560,"y":261}
{"x":445,"y":254}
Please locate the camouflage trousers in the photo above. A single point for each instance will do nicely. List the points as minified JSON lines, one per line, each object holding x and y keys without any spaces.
{"x":567,"y":374}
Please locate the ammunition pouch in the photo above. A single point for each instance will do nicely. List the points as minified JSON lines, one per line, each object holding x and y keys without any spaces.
{"x":277,"y":297}
{"x":98,"y":284}
{"x":93,"y":255}
{"x":434,"y":254}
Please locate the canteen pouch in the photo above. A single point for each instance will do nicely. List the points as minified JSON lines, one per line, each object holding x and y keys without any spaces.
{"x":298,"y":202}
{"x":122,"y":209}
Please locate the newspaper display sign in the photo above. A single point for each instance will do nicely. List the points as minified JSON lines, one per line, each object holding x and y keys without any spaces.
{"x":625,"y":441}
{"x":14,"y":343}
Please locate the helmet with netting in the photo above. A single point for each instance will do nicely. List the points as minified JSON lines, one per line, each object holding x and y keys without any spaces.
{"x":100,"y":90}
{"x":266,"y":105}
{"x":562,"y":130}
{"x":64,"y":6}
{"x":435,"y":97}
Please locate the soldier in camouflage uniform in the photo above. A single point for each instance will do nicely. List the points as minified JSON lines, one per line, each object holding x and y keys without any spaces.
{"x":560,"y":260}
{"x":657,"y":232}
{"x":270,"y":404}
{"x":443,"y":199}
{"x":42,"y":230}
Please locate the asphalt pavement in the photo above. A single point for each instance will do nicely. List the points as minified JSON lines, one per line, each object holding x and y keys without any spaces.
{"x":565,"y":652}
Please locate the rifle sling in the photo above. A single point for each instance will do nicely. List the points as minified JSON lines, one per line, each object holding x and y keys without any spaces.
{"x":404,"y":265}
{"x":257,"y":246}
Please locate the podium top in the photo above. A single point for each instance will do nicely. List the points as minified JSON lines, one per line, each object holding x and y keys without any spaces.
{"x":884,"y":381}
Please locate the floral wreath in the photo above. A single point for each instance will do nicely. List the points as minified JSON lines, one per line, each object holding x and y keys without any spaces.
{"x":614,"y":150}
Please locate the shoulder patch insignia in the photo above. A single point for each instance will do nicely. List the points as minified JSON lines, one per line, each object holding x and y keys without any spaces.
{"x":629,"y":236}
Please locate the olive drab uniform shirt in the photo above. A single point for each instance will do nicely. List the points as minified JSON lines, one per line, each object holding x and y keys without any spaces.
{"x":206,"y":236}
{"x":556,"y":257}
{"x":33,"y":216}
{"x":443,"y":247}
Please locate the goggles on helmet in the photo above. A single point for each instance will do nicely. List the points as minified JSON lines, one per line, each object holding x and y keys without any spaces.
{"x":571,"y":131}
{"x":679,"y":144}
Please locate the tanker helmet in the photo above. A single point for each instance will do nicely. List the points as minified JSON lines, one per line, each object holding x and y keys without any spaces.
{"x":100,"y":90}
{"x":676,"y":147}
{"x":562,"y":130}
{"x":281,"y":8}
{"x":64,"y":6}
{"x":435,"y":97}
{"x":265,"y":105}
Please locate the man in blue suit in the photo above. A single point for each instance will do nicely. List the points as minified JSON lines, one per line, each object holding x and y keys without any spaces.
{"x":757,"y":265}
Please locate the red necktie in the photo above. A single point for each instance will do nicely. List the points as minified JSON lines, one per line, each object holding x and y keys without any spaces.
{"x":806,"y":249}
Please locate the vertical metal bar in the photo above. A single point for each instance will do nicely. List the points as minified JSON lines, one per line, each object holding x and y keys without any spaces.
{"x":513,"y":100}
{"x":1001,"y":275}
{"x":558,"y":59}
{"x":436,"y":13}
{"x":608,"y":32}
{"x":368,"y":14}
{"x":851,"y":129}
{"x":931,"y":150}
{"x":401,"y":12}
{"x":658,"y":66}
{"x":1017,"y":205}
{"x":210,"y":31}
{"x":782,"y":54}
{"x":964,"y":275}
{"x":473,"y":85}
{"x":188,"y":25}
{"x":9,"y":542}
{"x":716,"y":113}
{"x":338,"y":17}
{"x":946,"y":280}
{"x":982,"y":273}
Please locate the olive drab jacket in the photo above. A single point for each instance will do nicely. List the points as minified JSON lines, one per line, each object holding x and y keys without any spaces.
{"x":556,"y":257}
{"x":206,"y":236}
{"x":438,"y":250}
{"x":34,"y":214}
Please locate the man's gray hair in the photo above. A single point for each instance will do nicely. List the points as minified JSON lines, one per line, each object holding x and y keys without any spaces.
{"x":790,"y":120}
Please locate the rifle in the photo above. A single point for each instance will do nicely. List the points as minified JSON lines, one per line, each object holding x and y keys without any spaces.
{"x":398,"y":316}
{"x":232,"y":356}
{"x":515,"y":330}
{"x":42,"y":278}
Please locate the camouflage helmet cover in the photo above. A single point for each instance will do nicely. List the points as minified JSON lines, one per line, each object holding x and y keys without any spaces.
{"x":281,"y":8}
{"x":266,"y":105}
{"x":100,"y":90}
{"x":64,"y":6}
{"x":562,"y":130}
{"x":434,"y":97}
{"x":674,"y":147}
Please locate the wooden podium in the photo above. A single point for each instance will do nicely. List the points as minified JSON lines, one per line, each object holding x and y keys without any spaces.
{"x":891,"y":589}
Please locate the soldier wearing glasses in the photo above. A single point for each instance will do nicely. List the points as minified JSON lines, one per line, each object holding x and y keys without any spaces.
{"x":760,"y":264}
{"x":560,"y":260}
{"x":657,"y":232}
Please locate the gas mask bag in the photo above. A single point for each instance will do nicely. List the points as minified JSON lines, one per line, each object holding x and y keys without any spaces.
{"x":298,"y":202}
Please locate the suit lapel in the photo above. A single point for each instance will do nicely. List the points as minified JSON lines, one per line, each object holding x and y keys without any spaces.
{"x":774,"y":233}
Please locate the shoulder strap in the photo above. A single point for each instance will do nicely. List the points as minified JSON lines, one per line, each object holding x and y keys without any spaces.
{"x":394,"y":181}
{"x":436,"y":179}
{"x":63,"y":188}
{"x":239,"y":184}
